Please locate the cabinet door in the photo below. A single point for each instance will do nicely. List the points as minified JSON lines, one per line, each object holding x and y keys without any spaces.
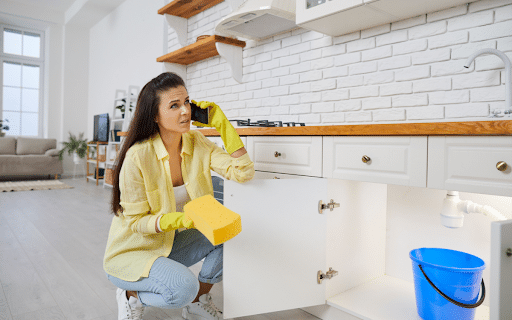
{"x":412,"y":8}
{"x":501,"y":270}
{"x":313,"y":9}
{"x":390,"y":160}
{"x":273,"y":263}
{"x":470,"y":164}
{"x":273,"y":175}
{"x":338,"y":17}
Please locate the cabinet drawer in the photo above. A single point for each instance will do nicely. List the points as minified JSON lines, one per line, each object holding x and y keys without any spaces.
{"x":470,"y":164}
{"x":390,"y":160}
{"x":295,"y":155}
{"x":273,"y":175}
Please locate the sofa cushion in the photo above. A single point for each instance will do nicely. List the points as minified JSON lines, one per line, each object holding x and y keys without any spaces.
{"x":8,"y":145}
{"x":52,"y":153}
{"x":14,"y":165}
{"x":34,"y":145}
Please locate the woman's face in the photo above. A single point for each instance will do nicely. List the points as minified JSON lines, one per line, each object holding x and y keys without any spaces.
{"x":174,"y":111}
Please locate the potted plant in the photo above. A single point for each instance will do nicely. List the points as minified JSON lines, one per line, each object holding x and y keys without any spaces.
{"x":75,"y":146}
{"x":122,"y":107}
{"x":3,"y":127}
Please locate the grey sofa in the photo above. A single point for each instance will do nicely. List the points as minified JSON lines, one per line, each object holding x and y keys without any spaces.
{"x":20,"y":156}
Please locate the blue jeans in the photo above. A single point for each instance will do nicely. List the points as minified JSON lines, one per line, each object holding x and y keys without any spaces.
{"x":170,"y":283}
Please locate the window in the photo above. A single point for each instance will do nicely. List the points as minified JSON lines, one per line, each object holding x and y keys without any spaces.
{"x":22,"y":61}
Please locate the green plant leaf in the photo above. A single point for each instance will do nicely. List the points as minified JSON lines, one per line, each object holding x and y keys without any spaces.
{"x":74,"y":143}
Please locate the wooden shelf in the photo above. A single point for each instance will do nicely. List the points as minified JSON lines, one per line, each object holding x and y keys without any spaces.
{"x":187,"y":8}
{"x":94,"y":143}
{"x":200,"y":50}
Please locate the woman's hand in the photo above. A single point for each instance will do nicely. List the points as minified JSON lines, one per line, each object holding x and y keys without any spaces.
{"x":175,"y":220}
{"x":218,"y":120}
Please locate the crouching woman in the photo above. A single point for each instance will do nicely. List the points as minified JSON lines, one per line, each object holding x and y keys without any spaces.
{"x":162,"y":166}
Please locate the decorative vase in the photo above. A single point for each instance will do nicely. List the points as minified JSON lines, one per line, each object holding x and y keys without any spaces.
{"x":76,"y":158}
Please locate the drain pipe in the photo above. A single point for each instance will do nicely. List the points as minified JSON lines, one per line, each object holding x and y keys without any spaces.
{"x":452,"y":213}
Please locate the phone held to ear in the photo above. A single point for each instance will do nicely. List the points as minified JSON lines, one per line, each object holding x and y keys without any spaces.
{"x":200,"y":115}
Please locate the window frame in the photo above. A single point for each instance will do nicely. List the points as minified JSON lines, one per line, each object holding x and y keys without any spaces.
{"x":24,"y":60}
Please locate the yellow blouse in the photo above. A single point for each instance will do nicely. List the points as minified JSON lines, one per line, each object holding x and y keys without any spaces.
{"x":147,"y":193}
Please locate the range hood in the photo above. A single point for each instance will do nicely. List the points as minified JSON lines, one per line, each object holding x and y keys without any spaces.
{"x":259,"y":19}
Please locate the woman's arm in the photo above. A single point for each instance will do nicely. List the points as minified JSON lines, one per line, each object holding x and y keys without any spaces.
{"x":238,"y":153}
{"x":134,"y":198}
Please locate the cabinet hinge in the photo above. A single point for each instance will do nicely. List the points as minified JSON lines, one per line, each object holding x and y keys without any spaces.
{"x":323,"y":206}
{"x":328,"y":275}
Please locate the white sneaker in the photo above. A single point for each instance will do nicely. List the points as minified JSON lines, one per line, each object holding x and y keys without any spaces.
{"x":202,"y":310}
{"x":128,"y":309}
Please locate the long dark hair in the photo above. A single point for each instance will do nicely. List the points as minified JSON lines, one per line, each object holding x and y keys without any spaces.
{"x":142,"y":125}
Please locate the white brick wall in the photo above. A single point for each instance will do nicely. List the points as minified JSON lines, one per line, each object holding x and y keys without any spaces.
{"x":405,"y":71}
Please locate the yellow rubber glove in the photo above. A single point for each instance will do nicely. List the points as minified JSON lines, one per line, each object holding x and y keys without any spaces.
{"x":175,"y":220}
{"x":218,"y":120}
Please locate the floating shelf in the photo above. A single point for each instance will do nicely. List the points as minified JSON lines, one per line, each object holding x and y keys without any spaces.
{"x":187,"y":8}
{"x":200,"y":50}
{"x":228,"y":48}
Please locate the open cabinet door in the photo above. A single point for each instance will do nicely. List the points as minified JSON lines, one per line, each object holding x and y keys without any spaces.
{"x":272,"y":264}
{"x":501,"y":270}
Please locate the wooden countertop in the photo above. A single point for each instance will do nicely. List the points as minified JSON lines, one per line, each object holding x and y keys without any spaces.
{"x":477,"y":128}
{"x":498,"y":127}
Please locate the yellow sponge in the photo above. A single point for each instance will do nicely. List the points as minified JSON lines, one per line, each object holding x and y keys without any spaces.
{"x":216,"y":222}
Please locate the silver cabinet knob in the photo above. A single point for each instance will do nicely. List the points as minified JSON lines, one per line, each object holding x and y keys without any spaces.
{"x":277,"y":154}
{"x":366,"y":159}
{"x":501,"y":166}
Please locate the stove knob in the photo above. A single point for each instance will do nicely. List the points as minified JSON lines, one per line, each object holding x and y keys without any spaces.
{"x":277,"y":154}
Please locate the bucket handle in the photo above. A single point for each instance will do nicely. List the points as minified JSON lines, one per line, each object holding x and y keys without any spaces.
{"x":460,"y":304}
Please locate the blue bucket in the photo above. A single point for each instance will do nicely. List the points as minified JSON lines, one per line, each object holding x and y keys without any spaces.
{"x":447,"y":283}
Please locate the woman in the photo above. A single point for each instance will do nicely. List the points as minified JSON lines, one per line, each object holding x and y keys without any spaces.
{"x":161,"y":166}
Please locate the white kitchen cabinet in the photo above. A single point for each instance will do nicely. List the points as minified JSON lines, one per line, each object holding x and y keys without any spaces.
{"x":273,"y":264}
{"x":501,"y":275}
{"x":471,"y":164}
{"x":289,"y":154}
{"x":274,"y":175}
{"x":338,"y":17}
{"x":390,"y":160}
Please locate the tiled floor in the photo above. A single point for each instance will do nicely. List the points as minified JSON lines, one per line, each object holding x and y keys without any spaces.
{"x":51,"y":250}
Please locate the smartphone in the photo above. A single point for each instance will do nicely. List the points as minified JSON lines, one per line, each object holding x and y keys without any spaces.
{"x":200,"y":115}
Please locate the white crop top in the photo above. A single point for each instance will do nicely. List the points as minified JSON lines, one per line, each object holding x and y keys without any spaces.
{"x":181,"y":196}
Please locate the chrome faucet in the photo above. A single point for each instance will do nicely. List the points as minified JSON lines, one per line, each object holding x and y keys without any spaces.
{"x":508,"y":74}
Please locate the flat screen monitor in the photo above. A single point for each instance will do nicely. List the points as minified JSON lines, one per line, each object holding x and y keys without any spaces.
{"x":101,"y":127}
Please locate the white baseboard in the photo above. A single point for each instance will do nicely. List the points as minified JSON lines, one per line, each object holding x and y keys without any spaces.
{"x":326,"y":312}
{"x":70,"y":176}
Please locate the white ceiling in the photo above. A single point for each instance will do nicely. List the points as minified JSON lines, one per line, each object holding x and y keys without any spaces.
{"x":56,"y":5}
{"x":83,"y":13}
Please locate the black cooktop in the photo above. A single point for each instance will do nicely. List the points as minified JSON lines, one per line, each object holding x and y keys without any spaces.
{"x":266,"y":123}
